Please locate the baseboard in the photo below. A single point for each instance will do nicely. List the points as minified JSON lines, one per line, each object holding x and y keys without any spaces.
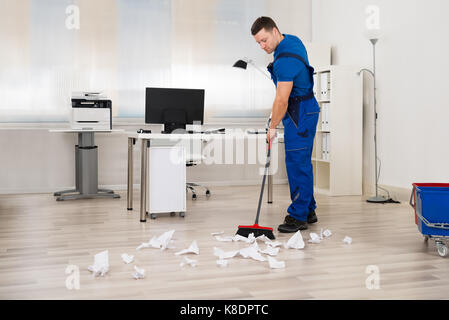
{"x":33,"y":190}
{"x":238,"y":182}
{"x":396,"y":193}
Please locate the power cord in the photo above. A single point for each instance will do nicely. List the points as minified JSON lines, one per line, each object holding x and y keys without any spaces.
{"x":389,"y":199}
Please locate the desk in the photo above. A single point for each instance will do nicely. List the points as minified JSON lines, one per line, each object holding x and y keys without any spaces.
{"x":86,"y":167}
{"x":145,"y":144}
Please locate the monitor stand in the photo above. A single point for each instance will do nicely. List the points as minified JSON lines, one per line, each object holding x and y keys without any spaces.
{"x":170,"y":127}
{"x":174,"y":119}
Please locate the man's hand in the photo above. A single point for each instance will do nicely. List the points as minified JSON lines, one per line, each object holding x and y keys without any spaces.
{"x":271,"y":134}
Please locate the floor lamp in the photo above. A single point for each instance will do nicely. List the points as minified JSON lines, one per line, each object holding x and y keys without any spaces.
{"x":377,"y":198}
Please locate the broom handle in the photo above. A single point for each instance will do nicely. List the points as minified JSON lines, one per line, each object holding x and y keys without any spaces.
{"x":263,"y":182}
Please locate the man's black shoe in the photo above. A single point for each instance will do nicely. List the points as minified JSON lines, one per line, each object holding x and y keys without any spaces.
{"x":292,"y":225}
{"x":312,"y":218}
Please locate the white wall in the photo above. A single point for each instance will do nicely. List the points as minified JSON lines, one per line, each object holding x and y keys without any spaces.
{"x":412,"y":80}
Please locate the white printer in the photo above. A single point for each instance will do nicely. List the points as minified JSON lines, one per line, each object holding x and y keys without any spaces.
{"x":91,"y":111}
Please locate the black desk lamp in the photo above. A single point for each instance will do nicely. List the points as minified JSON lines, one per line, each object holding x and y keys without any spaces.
{"x":240,"y":64}
{"x":243,"y":64}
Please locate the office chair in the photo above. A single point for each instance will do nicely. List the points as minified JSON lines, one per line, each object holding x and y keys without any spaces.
{"x":193,"y":160}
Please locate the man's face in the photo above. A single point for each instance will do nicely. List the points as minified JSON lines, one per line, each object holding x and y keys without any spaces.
{"x":267,"y":40}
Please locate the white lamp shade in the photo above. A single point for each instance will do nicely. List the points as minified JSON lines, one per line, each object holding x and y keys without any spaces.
{"x":372,"y":34}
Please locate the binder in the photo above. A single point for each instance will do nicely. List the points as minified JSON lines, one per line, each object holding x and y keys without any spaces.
{"x":325,"y":107}
{"x":325,"y":85}
{"x":324,"y":146}
{"x":325,"y":117}
{"x":328,"y":146}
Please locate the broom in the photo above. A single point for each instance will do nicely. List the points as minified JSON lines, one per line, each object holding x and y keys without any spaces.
{"x":257,"y":230}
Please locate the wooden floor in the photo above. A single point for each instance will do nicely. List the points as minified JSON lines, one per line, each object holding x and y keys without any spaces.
{"x":40,"y":237}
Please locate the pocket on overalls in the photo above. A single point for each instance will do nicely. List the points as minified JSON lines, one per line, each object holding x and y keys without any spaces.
{"x":290,"y":135}
{"x":309,"y":113}
{"x":293,"y":111}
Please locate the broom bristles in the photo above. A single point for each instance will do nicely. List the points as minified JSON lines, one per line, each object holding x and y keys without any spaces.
{"x":246,"y":231}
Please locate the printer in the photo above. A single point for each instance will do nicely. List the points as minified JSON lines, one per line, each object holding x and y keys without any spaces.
{"x":91,"y":111}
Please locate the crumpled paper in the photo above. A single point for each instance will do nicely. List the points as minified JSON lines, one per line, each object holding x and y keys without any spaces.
{"x":314,"y":238}
{"x":273,"y":244}
{"x":327,"y":233}
{"x":250,"y":238}
{"x":101,"y":264}
{"x":224,"y":255}
{"x":188,"y":261}
{"x":272,"y":251}
{"x":236,"y":238}
{"x":263,"y":238}
{"x":274,"y":264}
{"x":139,"y":274}
{"x":127,"y":258}
{"x":193,"y":248}
{"x":347,"y":240}
{"x":160,"y":242}
{"x":252,"y":252}
{"x":268,"y":241}
{"x":295,"y":242}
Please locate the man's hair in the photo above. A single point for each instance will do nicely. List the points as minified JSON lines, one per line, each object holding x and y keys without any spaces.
{"x":263,"y":22}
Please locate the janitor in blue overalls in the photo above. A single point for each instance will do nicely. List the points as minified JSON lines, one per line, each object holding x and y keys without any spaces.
{"x":297,"y":108}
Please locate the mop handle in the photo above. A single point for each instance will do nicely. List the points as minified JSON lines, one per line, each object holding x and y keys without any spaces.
{"x":267,"y":165}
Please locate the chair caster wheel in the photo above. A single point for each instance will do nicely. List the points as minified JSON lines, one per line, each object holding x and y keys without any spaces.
{"x":153,"y":216}
{"x":182,"y":214}
{"x":194,"y":196}
{"x":207,"y":193}
{"x":172,"y":214}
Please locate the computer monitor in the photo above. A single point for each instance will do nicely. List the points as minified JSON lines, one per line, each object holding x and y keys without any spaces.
{"x":174,"y":108}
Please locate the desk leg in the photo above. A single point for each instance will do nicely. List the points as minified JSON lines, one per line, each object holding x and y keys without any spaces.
{"x":143,"y":180}
{"x":131,"y":142}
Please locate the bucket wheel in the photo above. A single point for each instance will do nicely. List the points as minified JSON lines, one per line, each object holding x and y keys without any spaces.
{"x":442,"y":249}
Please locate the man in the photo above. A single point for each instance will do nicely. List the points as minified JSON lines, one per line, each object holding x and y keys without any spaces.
{"x":298,"y":109}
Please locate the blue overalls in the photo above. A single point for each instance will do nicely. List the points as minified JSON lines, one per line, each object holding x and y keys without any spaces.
{"x":300,"y":123}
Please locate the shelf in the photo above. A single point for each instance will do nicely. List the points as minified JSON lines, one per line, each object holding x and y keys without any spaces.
{"x":341,"y":173}
{"x":320,"y":160}
{"x":322,"y":191}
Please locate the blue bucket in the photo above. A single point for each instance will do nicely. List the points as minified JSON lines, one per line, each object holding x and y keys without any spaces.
{"x":432,"y":204}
